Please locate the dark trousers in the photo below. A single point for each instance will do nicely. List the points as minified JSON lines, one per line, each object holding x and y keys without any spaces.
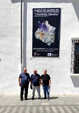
{"x":24,"y":87}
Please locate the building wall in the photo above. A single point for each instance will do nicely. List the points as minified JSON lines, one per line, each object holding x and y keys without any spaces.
{"x":9,"y":46}
{"x":58,"y":68}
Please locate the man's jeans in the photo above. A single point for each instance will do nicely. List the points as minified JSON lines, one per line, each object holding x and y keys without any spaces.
{"x":46,"y":91}
{"x":38,"y":90}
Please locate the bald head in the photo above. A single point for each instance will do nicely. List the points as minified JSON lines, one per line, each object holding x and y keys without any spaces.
{"x":45,"y":71}
{"x":35,"y":71}
{"x":25,"y":70}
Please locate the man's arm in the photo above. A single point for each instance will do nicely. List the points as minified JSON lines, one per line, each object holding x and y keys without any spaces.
{"x":19,"y":81}
{"x":40,"y":82}
{"x":49,"y":82}
{"x":29,"y":78}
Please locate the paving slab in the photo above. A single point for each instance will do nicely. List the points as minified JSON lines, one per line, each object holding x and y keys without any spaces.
{"x":56,"y":104}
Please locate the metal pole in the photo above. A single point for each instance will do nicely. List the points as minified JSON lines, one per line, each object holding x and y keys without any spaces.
{"x":21,"y":35}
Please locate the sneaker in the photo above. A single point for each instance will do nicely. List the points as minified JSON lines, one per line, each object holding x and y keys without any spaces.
{"x":39,"y":97}
{"x":48,"y":98}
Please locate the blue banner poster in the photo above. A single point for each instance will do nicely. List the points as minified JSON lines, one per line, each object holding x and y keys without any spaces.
{"x":46,"y":32}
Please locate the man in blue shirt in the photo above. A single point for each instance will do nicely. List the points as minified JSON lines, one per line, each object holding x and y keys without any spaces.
{"x":24,"y":79}
{"x":36,"y":82}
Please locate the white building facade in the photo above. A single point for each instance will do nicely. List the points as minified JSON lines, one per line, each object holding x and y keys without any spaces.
{"x":64,"y":70}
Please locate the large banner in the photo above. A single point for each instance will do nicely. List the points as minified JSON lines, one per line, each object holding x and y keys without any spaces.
{"x":46,"y":32}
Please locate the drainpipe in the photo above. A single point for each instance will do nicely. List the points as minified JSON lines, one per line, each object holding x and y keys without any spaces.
{"x":21,"y":36}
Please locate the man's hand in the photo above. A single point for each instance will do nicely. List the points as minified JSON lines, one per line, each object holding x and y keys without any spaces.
{"x":19,"y":81}
{"x":49,"y":82}
{"x":39,"y":85}
{"x":49,"y":85}
{"x":19,"y":84}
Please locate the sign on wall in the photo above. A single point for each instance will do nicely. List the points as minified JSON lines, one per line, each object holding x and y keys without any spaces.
{"x":46,"y":32}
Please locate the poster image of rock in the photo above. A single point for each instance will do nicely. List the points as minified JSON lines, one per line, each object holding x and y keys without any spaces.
{"x":46,"y":32}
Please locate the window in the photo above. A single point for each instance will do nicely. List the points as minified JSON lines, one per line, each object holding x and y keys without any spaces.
{"x":75,"y":57}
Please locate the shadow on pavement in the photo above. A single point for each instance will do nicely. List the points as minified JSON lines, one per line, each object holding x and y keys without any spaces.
{"x":51,"y":98}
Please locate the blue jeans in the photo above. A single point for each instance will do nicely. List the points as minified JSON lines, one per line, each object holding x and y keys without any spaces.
{"x":46,"y":91}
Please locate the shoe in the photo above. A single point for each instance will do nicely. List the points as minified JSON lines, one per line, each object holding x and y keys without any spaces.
{"x":48,"y":98}
{"x":26,"y":99}
{"x":39,"y":97}
{"x":45,"y":98}
{"x":21,"y":99}
{"x":32,"y":98}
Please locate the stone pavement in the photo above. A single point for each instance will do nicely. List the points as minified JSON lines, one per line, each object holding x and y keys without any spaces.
{"x":57,"y":104}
